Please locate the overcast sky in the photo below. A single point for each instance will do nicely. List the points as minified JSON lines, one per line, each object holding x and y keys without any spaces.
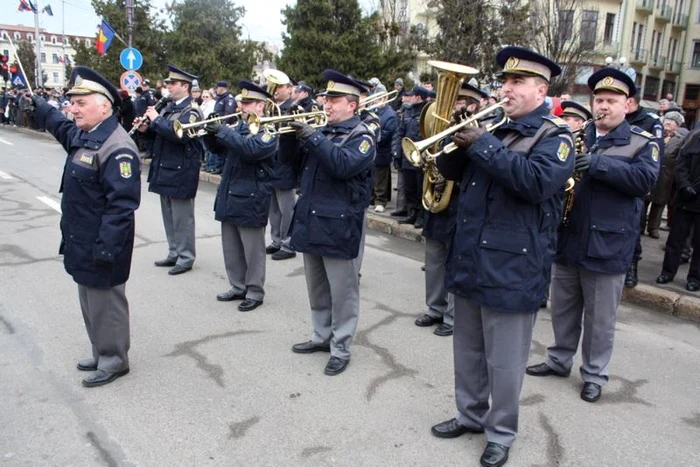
{"x":262,"y":19}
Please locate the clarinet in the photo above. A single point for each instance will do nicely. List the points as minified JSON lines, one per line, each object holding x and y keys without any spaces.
{"x":160,"y":105}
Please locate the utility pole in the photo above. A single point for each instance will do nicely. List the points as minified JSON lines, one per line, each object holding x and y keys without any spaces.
{"x":130,"y":20}
{"x":63,"y":32}
{"x":37,"y":37}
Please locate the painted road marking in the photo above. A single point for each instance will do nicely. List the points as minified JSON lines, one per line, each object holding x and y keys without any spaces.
{"x":6,"y":142}
{"x":6,"y":176}
{"x":49,"y":202}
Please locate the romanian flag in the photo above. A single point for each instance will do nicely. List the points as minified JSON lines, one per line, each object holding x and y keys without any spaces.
{"x":26,"y":5}
{"x":105,"y":34}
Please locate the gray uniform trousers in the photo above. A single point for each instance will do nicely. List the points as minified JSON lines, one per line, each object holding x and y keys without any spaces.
{"x":106,"y":316}
{"x":595,"y":296}
{"x":178,"y":219}
{"x":490,"y":354}
{"x":244,"y":257}
{"x":281,"y":213}
{"x":440,"y":303}
{"x":334,"y":297}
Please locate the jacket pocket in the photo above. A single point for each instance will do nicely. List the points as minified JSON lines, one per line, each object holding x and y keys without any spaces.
{"x":169,"y":171}
{"x":503,"y":259}
{"x":240,"y":199}
{"x":607,"y":240}
{"x":329,"y":225}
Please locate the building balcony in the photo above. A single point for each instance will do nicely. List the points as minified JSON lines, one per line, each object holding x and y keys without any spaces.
{"x":645,"y":5}
{"x":639,"y":56}
{"x":664,"y":14}
{"x":680,"y":21}
{"x":673,"y":67}
{"x":606,"y":48}
{"x":657,"y":63}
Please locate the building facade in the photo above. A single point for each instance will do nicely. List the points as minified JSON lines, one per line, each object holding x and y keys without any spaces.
{"x":55,"y":54}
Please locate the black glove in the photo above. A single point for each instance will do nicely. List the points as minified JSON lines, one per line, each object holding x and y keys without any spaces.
{"x":303,"y":130}
{"x":688,"y":193}
{"x":212,"y":128}
{"x":582,"y":162}
{"x":466,"y":136}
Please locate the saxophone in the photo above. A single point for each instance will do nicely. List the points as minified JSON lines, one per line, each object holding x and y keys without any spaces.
{"x":569,"y":192}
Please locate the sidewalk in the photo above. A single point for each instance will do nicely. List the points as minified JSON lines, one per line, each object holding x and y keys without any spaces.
{"x":670,"y":298}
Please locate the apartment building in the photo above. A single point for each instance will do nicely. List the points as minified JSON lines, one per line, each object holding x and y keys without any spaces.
{"x":54,"y":53}
{"x":659,"y":39}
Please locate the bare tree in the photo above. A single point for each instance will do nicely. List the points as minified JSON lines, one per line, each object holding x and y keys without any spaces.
{"x":564,"y":31}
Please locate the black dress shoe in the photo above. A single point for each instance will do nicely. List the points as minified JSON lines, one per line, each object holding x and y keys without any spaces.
{"x":692,"y":286}
{"x":179,"y":269}
{"x":590,"y":392}
{"x":272,"y":249}
{"x":310,"y":347}
{"x":444,"y":330}
{"x":165,"y":263}
{"x":452,"y":429}
{"x":408,"y":220}
{"x":280,"y":255}
{"x":663,"y":279}
{"x":544,"y":370}
{"x":249,"y":304}
{"x":400,"y":213}
{"x":335,"y":366}
{"x":102,"y":377}
{"x":230,"y":295}
{"x":495,"y":455}
{"x":427,"y":320}
{"x":87,"y":364}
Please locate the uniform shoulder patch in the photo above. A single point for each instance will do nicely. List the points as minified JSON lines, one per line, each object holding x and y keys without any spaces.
{"x":556,"y":120}
{"x":564,"y":149}
{"x":365,"y":146}
{"x":655,"y":152}
{"x":125,"y":169}
{"x":373,"y":127}
{"x":638,"y":131}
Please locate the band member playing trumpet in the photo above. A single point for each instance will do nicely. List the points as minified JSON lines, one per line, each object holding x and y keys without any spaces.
{"x":438,"y":235}
{"x":174,"y":173}
{"x":512,"y":184}
{"x":594,"y":249}
{"x":336,"y":164}
{"x":243,"y":199}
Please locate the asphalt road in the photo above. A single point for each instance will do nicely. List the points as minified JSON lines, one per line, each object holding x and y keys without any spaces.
{"x":211,"y":386}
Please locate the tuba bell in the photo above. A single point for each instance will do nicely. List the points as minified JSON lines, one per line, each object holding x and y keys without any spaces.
{"x":275,"y":79}
{"x":434,"y":119}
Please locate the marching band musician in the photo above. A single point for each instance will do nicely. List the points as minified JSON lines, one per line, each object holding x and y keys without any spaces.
{"x":174,"y":173}
{"x":285,"y":180}
{"x":336,"y":162}
{"x":243,"y":199}
{"x":574,"y":114}
{"x":594,"y":250}
{"x":225,"y":105}
{"x":101,"y":188}
{"x":438,"y":235}
{"x":509,"y":207}
{"x":302,"y":97}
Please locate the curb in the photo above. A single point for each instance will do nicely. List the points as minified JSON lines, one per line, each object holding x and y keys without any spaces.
{"x":29,"y":131}
{"x":654,"y":298}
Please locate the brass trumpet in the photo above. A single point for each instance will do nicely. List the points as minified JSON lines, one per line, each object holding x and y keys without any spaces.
{"x":181,"y":129}
{"x":376,"y":100}
{"x":316,"y":119}
{"x":417,"y":152}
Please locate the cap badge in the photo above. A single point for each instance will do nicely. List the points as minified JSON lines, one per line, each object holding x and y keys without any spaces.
{"x":512,"y":63}
{"x":331,"y":85}
{"x":608,"y":81}
{"x":244,"y":92}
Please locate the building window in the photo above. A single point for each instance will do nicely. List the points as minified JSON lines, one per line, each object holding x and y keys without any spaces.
{"x":609,"y":28}
{"x":4,"y":35}
{"x":55,"y":76}
{"x":692,"y":92}
{"x":6,"y":53}
{"x":43,"y":57}
{"x":66,"y":59}
{"x":55,"y":59}
{"x":53,"y":39}
{"x":651,"y":88}
{"x":640,"y":36}
{"x":695,"y":59}
{"x":42,"y":38}
{"x":566,"y":24}
{"x":589,"y":27}
{"x":30,"y":37}
{"x":17,"y":36}
{"x":87,"y":42}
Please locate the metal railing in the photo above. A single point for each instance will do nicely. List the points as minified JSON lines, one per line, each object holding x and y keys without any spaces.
{"x":657,"y":62}
{"x":639,"y":56}
{"x":647,"y":5}
{"x":665,"y":13}
{"x":673,"y":67}
{"x":680,"y":21}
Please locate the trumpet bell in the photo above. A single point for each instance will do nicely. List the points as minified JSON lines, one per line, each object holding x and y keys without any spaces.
{"x":412,"y":152}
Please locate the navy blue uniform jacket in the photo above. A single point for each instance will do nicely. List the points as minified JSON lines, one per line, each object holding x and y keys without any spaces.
{"x":335,"y":169}
{"x":389,"y":124}
{"x":101,"y":188}
{"x":243,"y":196}
{"x":176,"y":162}
{"x":604,"y":224}
{"x":510,"y":204}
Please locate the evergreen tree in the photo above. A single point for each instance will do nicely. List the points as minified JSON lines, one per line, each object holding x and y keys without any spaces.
{"x":206,"y":40}
{"x":148,"y":34}
{"x":324,"y":34}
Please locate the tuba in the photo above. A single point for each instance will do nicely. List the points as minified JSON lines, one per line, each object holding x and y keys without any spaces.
{"x":569,"y":193}
{"x":434,"y":119}
{"x":275,"y":79}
